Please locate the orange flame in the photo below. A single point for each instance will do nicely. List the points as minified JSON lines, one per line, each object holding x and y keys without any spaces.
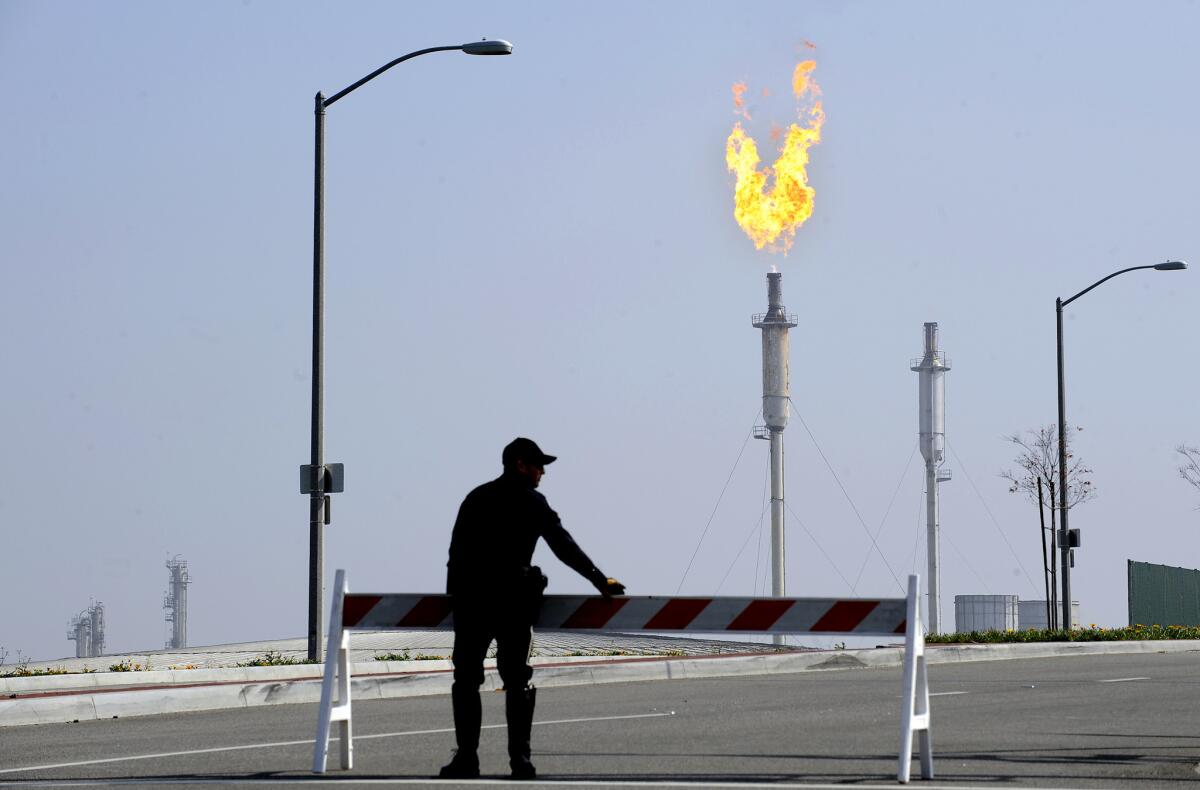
{"x":771,"y":215}
{"x":739,"y":103}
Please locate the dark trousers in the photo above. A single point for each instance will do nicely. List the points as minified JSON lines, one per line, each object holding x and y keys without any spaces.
{"x":474,"y":629}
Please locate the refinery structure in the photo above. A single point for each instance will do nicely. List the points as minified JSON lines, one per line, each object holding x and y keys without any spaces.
{"x":175,"y":601}
{"x":776,"y":395}
{"x":86,"y":630}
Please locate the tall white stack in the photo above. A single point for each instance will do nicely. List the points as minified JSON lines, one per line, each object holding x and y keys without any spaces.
{"x":932,"y":367}
{"x":775,"y":324}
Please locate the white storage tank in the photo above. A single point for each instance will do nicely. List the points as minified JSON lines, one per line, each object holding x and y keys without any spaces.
{"x":1032,"y":615}
{"x":985,"y":613}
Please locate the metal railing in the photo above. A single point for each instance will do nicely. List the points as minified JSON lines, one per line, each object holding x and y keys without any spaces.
{"x":940,"y":360}
{"x":761,"y":318}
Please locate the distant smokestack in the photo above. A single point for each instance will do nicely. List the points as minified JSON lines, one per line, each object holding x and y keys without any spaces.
{"x":932,"y":367}
{"x":775,"y":324}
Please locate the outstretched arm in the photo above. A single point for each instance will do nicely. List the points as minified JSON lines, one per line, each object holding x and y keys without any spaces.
{"x":567,"y":550}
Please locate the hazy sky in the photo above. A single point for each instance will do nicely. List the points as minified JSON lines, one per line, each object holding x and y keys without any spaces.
{"x":543,"y":245}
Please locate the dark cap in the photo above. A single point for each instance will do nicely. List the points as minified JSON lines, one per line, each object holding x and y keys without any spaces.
{"x":522,"y":449}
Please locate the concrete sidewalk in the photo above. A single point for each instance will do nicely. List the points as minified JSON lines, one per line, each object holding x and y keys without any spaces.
{"x":67,"y":698}
{"x":419,"y":643}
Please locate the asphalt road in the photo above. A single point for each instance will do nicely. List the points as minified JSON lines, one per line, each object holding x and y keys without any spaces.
{"x":1110,"y":721}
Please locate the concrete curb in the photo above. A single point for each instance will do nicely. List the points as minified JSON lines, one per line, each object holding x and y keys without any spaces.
{"x":284,"y":685}
{"x":107,"y":681}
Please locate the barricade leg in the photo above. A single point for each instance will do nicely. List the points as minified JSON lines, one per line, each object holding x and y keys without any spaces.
{"x":914,"y":696}
{"x":337,"y":672}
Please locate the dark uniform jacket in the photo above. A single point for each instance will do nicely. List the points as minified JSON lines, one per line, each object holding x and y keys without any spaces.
{"x":498,"y":526}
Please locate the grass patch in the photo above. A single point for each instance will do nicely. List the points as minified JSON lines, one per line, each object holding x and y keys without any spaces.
{"x":129,"y":666}
{"x":406,"y":656}
{"x":614,"y":652}
{"x":1131,"y":633}
{"x":22,"y":671}
{"x":273,"y":658}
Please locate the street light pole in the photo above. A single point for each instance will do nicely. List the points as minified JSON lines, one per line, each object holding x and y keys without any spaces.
{"x":317,"y":511}
{"x":1063,"y":543}
{"x":318,"y":479}
{"x":1063,"y":498}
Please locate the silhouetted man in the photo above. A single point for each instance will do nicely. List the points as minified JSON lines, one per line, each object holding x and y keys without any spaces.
{"x":496,"y":593}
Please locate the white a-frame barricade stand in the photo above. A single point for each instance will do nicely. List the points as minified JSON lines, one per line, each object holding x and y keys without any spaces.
{"x":914,"y":697}
{"x":337,"y":673}
{"x":695,"y":615}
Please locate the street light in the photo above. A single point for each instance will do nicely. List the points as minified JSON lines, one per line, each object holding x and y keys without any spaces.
{"x":318,"y":479}
{"x":1064,"y":504}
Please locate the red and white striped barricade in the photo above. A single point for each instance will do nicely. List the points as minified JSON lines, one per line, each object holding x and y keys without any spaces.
{"x":818,"y":616}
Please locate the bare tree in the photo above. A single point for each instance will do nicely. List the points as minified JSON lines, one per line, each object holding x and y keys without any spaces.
{"x":1038,"y":458}
{"x":1189,"y":470}
{"x":1037,"y":469}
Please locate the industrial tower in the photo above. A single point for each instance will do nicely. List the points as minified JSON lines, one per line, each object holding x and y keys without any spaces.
{"x":775,"y":324}
{"x":175,"y":601}
{"x":932,"y":369}
{"x":86,"y":630}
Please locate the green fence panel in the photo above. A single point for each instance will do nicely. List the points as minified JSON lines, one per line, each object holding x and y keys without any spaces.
{"x":1162,"y":595}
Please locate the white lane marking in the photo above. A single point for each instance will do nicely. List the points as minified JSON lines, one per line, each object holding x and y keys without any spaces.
{"x":1120,"y":680}
{"x":316,"y":780}
{"x":310,"y":741}
{"x":946,"y":693}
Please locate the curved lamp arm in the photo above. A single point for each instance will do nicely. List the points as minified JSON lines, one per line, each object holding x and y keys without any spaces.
{"x":498,"y":47}
{"x":1168,"y":266}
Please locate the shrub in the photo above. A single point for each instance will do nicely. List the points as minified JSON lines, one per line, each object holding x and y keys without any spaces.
{"x":1092,"y":634}
{"x":23,"y":671}
{"x":273,"y":658}
{"x":128,"y":666}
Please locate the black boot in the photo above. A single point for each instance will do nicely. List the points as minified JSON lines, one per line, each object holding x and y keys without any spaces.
{"x":468,"y":715}
{"x":518,"y":710}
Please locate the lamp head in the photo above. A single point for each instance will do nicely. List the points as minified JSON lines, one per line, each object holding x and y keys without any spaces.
{"x":1170,"y":266}
{"x":487,"y":47}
